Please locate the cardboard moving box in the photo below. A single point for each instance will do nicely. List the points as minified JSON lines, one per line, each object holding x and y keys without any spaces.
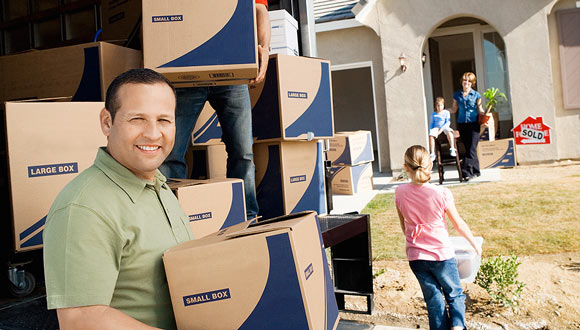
{"x":211,"y":205}
{"x":295,"y":100}
{"x":201,"y":42}
{"x":209,"y":162}
{"x":49,"y":143}
{"x":289,"y":177}
{"x":119,"y":18}
{"x":349,"y":180}
{"x":351,"y":148}
{"x":82,"y":72}
{"x":263,"y":276}
{"x":284,"y":33}
{"x":498,"y":153}
{"x":207,"y":129}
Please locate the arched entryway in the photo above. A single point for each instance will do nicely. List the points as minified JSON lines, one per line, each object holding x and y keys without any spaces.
{"x":467,"y":44}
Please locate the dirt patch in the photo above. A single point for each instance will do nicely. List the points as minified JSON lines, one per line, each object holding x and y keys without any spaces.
{"x":550,"y":299}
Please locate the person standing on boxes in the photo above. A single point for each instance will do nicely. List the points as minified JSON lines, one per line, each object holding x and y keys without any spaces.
{"x":107,"y":230}
{"x":234,"y":111}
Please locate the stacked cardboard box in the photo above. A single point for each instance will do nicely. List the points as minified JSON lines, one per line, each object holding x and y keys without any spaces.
{"x":49,"y":143}
{"x":351,"y":154}
{"x":201,"y":43}
{"x":208,"y":214}
{"x":291,"y":110}
{"x":82,"y":72}
{"x":284,"y":35}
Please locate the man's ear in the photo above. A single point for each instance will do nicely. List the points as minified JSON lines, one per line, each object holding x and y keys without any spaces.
{"x":106,"y":122}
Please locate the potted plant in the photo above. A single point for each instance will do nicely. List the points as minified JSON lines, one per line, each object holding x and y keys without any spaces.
{"x":493,"y":96}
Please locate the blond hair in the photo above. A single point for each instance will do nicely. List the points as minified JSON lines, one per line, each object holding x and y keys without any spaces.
{"x":437,"y":100}
{"x":469,"y":76}
{"x":419,"y":164}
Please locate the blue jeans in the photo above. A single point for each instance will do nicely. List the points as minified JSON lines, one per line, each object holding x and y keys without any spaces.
{"x":437,"y":276}
{"x":234,"y":111}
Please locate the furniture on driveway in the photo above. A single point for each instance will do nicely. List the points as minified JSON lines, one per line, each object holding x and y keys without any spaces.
{"x":349,"y":240}
{"x":443,"y":157}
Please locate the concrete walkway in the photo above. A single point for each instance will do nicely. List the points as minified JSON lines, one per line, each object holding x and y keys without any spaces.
{"x":383,"y":185}
{"x":350,"y":325}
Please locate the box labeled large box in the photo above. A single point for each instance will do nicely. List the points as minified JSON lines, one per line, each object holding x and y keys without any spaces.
{"x":207,"y":129}
{"x":284,"y":33}
{"x":271,"y":275}
{"x":119,"y":18}
{"x":295,"y":100}
{"x":211,"y":205}
{"x":468,"y":261}
{"x":208,"y":161}
{"x":82,"y":72}
{"x":289,"y":177}
{"x":201,"y":42}
{"x":350,"y":180}
{"x":49,"y":143}
{"x":351,"y":148}
{"x":498,"y":153}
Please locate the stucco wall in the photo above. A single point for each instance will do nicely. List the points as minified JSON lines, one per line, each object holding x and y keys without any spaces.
{"x":567,"y":120}
{"x":353,"y":45}
{"x":404,"y":25}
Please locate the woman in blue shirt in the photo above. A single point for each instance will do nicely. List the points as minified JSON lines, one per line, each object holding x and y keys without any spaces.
{"x":467,"y":104}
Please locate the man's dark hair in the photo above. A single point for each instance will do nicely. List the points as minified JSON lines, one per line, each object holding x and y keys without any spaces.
{"x":133,"y":76}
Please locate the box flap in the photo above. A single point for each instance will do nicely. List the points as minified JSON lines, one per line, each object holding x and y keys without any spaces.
{"x":180,"y":183}
{"x":281,"y":222}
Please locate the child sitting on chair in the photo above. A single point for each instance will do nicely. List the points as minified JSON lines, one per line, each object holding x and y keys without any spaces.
{"x":440,"y":121}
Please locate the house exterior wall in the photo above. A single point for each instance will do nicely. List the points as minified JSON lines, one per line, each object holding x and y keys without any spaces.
{"x":360,"y":44}
{"x":567,"y":120}
{"x":528,"y":32}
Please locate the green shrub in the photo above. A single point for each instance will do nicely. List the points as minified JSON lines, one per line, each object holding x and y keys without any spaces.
{"x":498,"y":277}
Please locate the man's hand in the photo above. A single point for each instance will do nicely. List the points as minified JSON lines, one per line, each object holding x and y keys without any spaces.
{"x":263,"y":57}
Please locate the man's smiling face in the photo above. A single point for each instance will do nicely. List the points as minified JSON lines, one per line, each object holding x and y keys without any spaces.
{"x":142,"y":133}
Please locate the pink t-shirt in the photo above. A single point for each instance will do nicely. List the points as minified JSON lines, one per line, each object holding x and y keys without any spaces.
{"x":423,"y":207}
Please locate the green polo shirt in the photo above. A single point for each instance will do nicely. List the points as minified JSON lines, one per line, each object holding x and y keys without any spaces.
{"x":104,"y":240}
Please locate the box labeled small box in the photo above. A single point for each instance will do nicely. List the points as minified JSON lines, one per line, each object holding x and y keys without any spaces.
{"x":201,"y":42}
{"x":270,"y":275}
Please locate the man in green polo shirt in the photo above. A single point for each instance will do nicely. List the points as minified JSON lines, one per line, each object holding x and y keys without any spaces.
{"x":107,"y":230}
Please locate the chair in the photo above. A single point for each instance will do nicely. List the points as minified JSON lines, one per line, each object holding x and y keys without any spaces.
{"x":443,"y":157}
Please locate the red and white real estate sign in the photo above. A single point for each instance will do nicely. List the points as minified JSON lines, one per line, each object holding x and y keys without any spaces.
{"x":532,"y":131}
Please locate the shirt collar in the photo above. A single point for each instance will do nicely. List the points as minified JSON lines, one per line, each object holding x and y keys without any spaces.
{"x":132,"y":185}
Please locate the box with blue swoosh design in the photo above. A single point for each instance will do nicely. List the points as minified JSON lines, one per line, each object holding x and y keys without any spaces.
{"x":211,"y":205}
{"x":49,"y":143}
{"x":201,"y":43}
{"x":295,"y":100}
{"x":289,"y":177}
{"x":350,"y":180}
{"x":269,"y":275}
{"x":351,"y":148}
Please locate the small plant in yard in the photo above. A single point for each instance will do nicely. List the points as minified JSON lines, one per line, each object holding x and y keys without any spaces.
{"x":497,"y":275}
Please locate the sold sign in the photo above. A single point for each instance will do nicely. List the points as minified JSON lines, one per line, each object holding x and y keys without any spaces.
{"x":532,"y":131}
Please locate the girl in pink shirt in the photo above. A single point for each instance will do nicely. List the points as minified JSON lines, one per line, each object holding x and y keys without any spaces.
{"x":422,"y":208}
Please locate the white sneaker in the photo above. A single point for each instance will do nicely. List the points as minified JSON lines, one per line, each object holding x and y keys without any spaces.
{"x":433,"y":157}
{"x":452,"y":152}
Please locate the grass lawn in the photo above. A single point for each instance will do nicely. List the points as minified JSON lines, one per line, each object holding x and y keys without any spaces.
{"x":532,"y":210}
